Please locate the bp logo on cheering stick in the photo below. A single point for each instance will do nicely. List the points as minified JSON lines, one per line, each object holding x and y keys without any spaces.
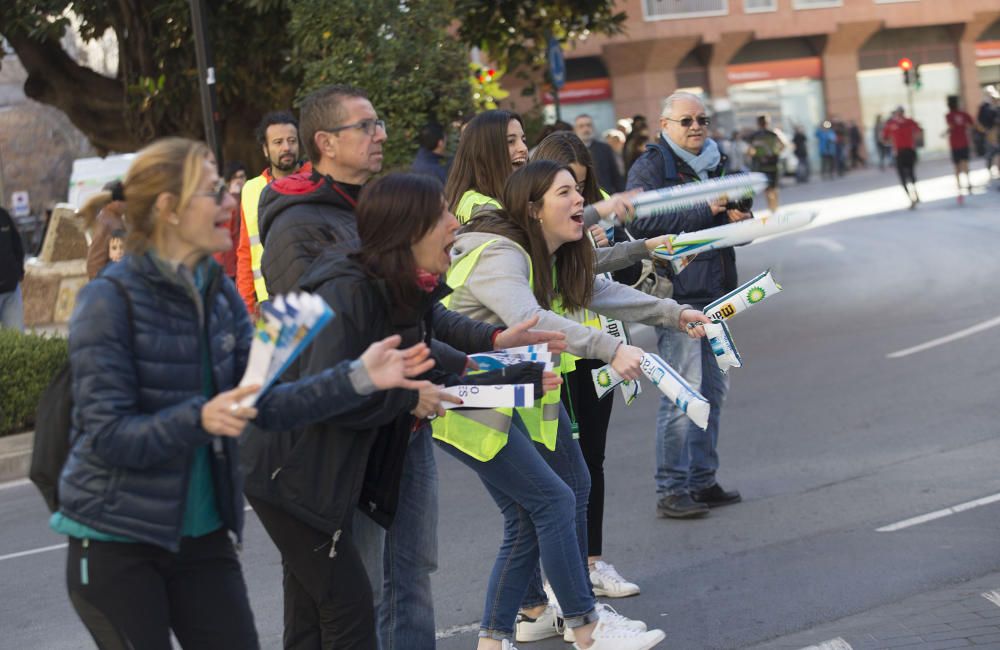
{"x":604,"y":379}
{"x":755,"y":295}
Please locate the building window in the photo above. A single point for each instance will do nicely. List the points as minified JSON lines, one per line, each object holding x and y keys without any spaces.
{"x":816,"y":4}
{"x":675,"y":9}
{"x":759,"y":6}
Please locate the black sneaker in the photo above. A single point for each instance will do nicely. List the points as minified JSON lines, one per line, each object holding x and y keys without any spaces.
{"x":715,"y":496}
{"x":680,"y":506}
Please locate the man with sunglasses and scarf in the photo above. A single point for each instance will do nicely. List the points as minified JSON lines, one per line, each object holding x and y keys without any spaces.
{"x":686,"y":457}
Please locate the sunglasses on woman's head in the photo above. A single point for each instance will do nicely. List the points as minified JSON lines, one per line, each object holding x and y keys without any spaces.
{"x":686,"y":122}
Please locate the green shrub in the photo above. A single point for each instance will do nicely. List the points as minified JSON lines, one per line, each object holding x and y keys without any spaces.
{"x":27,"y":364}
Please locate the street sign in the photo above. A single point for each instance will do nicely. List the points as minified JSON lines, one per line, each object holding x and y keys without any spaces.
{"x":20,"y":203}
{"x":557,"y":64}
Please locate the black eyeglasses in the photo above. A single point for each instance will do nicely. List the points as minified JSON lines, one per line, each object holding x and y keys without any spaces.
{"x":218,"y":193}
{"x":686,"y":122}
{"x":369,"y":126}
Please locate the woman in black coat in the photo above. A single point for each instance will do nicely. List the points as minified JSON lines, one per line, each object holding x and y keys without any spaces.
{"x":151,"y":490}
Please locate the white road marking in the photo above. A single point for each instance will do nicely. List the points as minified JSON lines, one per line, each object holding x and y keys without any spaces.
{"x":955,"y":336}
{"x":832,"y":644}
{"x":992,"y":596}
{"x":15,"y":483}
{"x":34,"y":551}
{"x":831,"y":245}
{"x":937,"y":514}
{"x":455,"y":630}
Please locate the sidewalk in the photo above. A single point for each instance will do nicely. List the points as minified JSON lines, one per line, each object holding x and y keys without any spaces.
{"x":965,"y":615}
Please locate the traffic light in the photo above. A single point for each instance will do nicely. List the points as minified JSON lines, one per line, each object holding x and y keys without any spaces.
{"x":916,"y":77}
{"x":906,"y":66}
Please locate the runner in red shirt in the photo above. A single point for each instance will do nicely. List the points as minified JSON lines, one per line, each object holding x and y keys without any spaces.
{"x":959,"y":123}
{"x":903,"y":132}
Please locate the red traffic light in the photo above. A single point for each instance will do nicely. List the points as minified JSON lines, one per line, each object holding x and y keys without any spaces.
{"x":905,"y":64}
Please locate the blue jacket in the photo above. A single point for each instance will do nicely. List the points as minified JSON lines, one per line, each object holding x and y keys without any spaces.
{"x":138,"y":394}
{"x":430,"y":163}
{"x":712,"y":274}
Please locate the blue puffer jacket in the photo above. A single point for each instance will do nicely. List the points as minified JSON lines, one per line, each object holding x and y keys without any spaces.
{"x":712,"y":274}
{"x":138,"y":394}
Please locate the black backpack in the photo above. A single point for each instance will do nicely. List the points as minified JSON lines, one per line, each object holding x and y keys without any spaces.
{"x":53,"y":421}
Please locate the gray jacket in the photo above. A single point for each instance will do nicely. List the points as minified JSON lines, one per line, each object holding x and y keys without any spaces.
{"x":498,"y":292}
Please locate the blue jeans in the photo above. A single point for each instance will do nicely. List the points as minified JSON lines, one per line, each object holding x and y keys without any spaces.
{"x":543,"y":516}
{"x":400,"y":561}
{"x":686,"y":456}
{"x":12,"y":309}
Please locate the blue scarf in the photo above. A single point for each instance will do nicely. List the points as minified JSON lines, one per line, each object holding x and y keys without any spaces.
{"x":706,"y":161}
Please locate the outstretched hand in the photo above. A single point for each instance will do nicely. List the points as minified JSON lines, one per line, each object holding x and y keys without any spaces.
{"x":522,"y":334}
{"x":388,"y":367}
{"x":223,"y":416}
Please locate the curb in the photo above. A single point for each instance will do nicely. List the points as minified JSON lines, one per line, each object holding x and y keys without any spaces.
{"x":15,"y":456}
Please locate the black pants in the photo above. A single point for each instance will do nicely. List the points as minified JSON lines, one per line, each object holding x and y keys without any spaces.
{"x":906,"y":161}
{"x":129,"y":596}
{"x":328,"y":600}
{"x":592,"y":417}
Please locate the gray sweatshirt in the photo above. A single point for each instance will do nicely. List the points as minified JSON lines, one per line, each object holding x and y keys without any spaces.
{"x":498,"y":292}
{"x":620,"y":256}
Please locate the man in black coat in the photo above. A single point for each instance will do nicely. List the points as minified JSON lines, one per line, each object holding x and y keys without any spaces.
{"x":11,"y":273}
{"x":608,"y":176}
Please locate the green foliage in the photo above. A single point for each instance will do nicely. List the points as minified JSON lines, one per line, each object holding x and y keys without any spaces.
{"x":486,"y":89}
{"x":514,"y":33}
{"x":400,"y":52}
{"x":27,"y":364}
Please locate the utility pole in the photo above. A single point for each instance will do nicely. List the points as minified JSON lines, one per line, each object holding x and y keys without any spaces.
{"x":206,"y":80}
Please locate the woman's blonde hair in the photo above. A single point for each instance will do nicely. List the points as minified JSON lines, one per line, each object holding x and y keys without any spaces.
{"x":171,"y":165}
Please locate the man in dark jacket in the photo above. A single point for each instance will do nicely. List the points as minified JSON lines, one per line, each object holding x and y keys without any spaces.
{"x":430,"y":158}
{"x":301,"y":217}
{"x":686,"y":458}
{"x":605,"y":163}
{"x":11,"y":273}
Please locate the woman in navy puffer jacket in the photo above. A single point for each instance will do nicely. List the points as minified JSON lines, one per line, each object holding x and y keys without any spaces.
{"x":151,"y":490}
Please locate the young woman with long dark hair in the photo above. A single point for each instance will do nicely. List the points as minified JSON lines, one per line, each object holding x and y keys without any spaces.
{"x":591,"y":414}
{"x":531,"y":259}
{"x":151,"y":490}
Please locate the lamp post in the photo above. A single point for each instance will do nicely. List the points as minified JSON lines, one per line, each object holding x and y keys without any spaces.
{"x":206,"y":80}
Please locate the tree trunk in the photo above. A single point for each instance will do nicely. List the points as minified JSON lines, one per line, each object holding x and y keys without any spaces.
{"x":95,"y":104}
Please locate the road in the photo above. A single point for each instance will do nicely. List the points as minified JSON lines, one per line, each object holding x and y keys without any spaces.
{"x":828,"y":437}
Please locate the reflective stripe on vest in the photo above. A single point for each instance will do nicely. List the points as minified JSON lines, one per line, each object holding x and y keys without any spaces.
{"x":249,"y":200}
{"x":482,"y":433}
{"x":469,"y":202}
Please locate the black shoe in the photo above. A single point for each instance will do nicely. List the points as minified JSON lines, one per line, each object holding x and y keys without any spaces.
{"x":715,"y":496}
{"x":680,"y":506}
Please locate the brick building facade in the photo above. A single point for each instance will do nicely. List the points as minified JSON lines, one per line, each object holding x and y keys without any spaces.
{"x":801,"y":61}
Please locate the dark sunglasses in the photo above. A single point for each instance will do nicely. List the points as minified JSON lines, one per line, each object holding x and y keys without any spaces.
{"x":686,"y":122}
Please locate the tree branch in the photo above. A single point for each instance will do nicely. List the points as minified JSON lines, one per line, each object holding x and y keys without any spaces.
{"x":94,"y":103}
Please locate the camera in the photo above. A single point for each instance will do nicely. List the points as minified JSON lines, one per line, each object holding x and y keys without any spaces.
{"x":743,"y":205}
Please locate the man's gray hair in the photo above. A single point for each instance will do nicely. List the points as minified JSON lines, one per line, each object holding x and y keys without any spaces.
{"x":668,"y":103}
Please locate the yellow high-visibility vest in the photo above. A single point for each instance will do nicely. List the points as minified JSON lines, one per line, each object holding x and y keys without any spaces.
{"x":469,"y":202}
{"x":482,"y":433}
{"x":249,"y":200}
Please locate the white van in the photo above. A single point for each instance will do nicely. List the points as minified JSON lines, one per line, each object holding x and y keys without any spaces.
{"x":90,"y":174}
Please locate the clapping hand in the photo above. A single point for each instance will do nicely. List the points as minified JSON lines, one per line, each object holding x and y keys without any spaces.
{"x":388,"y":367}
{"x":522,"y":334}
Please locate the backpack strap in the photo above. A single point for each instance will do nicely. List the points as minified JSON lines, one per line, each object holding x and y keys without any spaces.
{"x":669,"y":166}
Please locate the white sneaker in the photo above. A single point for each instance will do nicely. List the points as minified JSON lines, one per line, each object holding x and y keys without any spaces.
{"x":609,"y":583}
{"x":548,"y":624}
{"x":507,"y":645}
{"x":606,"y":637}
{"x":608,"y":615}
